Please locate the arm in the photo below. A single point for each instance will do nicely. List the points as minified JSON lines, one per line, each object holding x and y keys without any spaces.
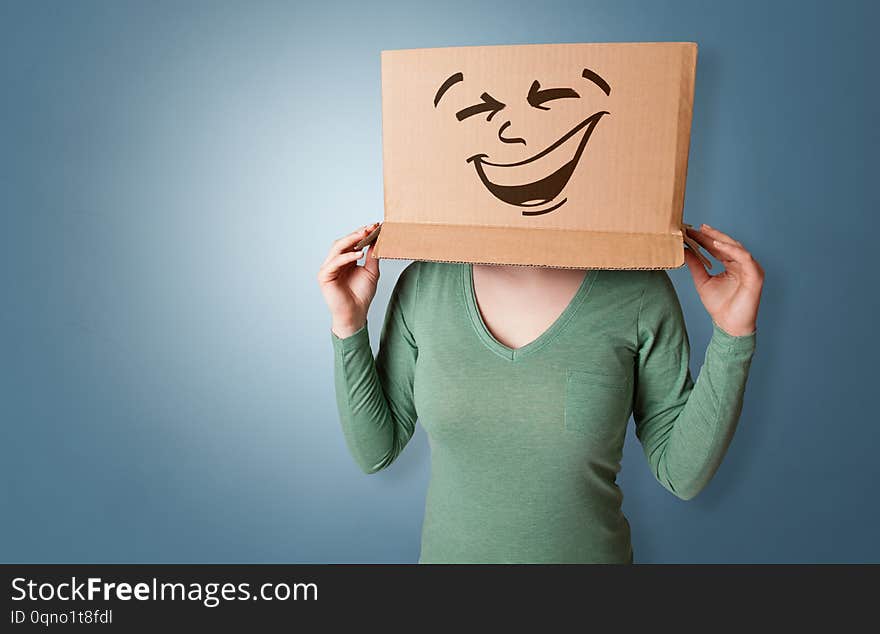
{"x":375,"y":397}
{"x":685,"y":427}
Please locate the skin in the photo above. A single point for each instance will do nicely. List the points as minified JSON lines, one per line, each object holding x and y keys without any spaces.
{"x":518,"y":303}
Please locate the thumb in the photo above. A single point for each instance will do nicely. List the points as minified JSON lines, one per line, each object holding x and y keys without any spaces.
{"x":698,"y":271}
{"x":371,"y":264}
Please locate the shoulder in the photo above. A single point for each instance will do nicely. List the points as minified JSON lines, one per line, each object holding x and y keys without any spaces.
{"x":421,"y":278}
{"x":649,"y":293}
{"x":429,"y":269}
{"x":423,"y":290}
{"x":425,"y":275}
{"x":643,"y":283}
{"x":659,"y":303}
{"x":657,"y":285}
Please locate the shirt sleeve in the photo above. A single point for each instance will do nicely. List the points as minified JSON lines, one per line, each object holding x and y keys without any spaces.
{"x":685,"y":427}
{"x":375,"y":396}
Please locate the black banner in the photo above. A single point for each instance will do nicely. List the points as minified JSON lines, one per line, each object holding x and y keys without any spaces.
{"x":137,"y":597}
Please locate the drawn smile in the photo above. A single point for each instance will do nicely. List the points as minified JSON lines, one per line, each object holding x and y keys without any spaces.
{"x":541,"y":192}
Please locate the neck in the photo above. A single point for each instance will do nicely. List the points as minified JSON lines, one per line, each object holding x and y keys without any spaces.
{"x":527,"y":274}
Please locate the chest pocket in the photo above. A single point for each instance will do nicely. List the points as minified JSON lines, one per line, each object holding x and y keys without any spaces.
{"x":597,"y":404}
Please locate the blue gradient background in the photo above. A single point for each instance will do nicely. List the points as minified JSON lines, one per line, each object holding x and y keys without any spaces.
{"x":172,"y":175}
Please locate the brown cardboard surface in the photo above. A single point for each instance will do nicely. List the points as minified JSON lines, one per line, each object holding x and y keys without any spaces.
{"x":567,"y":155}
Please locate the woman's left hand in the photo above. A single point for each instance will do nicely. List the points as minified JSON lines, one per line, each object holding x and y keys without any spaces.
{"x":731,"y":297}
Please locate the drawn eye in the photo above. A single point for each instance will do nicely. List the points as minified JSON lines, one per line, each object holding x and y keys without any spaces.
{"x":490,"y":104}
{"x":537,"y":97}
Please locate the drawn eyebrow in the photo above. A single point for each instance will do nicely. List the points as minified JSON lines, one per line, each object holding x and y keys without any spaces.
{"x":596,"y":79}
{"x":454,"y":79}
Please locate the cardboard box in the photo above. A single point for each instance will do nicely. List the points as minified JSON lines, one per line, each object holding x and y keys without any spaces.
{"x":564,"y":155}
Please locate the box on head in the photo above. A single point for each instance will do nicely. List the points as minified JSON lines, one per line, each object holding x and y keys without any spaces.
{"x":564,"y":155}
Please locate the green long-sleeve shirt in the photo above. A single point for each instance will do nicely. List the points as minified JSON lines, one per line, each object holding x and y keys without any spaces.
{"x":526,"y":443}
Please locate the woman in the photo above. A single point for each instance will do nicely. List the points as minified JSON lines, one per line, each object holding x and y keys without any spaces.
{"x":525,"y":378}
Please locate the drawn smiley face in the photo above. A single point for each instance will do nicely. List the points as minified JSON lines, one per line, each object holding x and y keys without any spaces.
{"x":544,"y":194}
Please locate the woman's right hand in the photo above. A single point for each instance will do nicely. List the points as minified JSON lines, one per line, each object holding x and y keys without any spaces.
{"x":348,"y":288}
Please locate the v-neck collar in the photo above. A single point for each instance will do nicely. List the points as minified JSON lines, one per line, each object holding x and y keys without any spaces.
{"x":512,"y":354}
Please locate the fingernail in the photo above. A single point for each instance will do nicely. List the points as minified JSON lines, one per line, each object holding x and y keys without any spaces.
{"x":706,"y":226}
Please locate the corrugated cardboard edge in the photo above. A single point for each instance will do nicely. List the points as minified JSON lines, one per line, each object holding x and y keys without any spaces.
{"x":683,"y":131}
{"x":558,"y":248}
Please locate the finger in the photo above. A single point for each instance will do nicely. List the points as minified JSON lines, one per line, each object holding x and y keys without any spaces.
{"x":695,"y":266}
{"x":707,"y":243}
{"x":371,"y":264}
{"x":741,"y":259}
{"x":345,"y":243}
{"x":692,"y":246}
{"x":734,"y":252}
{"x":335,"y":267}
{"x":330,"y":271}
{"x":736,"y":260}
{"x":718,"y":235}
